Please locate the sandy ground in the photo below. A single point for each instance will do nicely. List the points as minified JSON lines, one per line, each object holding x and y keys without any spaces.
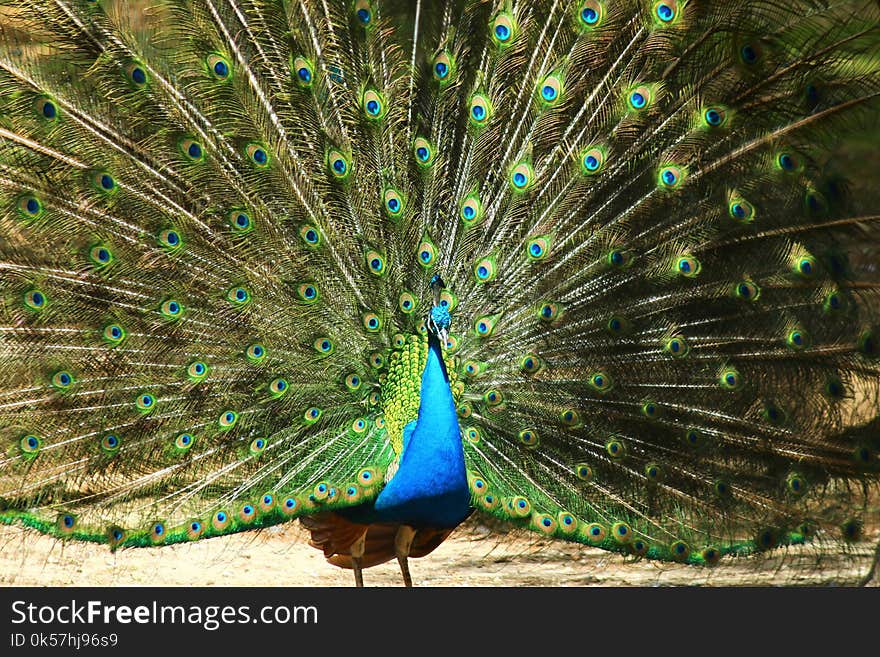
{"x":473,"y":556}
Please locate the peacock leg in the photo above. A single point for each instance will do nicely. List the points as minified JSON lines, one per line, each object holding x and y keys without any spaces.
{"x":358,"y":575}
{"x":402,"y":545}
{"x":873,"y":570}
{"x":357,"y":553}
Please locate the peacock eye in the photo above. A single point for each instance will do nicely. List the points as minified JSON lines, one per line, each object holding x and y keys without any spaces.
{"x":443,"y":67}
{"x":592,"y":161}
{"x":310,"y":236}
{"x":749,"y":54}
{"x":424,"y":152}
{"x":502,"y":29}
{"x":522,"y":176}
{"x":670,"y":177}
{"x":218,"y":66}
{"x":479,"y":110}
{"x":590,"y":14}
{"x":302,"y":71}
{"x":714,"y":117}
{"x":258,"y":155}
{"x":46,"y":109}
{"x":638,"y":100}
{"x":666,"y":11}
{"x":373,"y":104}
{"x":550,"y":90}
{"x":136,"y":75}
{"x":393,"y":202}
{"x":363,"y":12}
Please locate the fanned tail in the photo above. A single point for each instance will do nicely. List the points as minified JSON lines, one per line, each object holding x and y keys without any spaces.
{"x":219,"y":221}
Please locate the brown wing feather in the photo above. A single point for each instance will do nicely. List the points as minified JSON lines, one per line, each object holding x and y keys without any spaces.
{"x":335,"y":535}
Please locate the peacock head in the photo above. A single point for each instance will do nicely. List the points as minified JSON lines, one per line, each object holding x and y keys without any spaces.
{"x":439,"y":319}
{"x":436,"y":285}
{"x":438,"y":322}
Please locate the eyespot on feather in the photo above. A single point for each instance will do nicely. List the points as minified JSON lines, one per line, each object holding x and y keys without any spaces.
{"x":423,"y":152}
{"x":443,"y":68}
{"x":218,"y":67}
{"x":479,"y":110}
{"x":502,"y":29}
{"x":590,"y":15}
{"x":522,"y":176}
{"x":302,"y":72}
{"x":373,"y":104}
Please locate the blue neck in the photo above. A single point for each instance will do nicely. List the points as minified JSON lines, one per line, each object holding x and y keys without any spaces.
{"x":430,"y":487}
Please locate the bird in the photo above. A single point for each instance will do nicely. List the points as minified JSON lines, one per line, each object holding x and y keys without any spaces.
{"x":586,"y":267}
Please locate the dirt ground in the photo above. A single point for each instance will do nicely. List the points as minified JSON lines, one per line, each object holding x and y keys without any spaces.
{"x":473,"y":556}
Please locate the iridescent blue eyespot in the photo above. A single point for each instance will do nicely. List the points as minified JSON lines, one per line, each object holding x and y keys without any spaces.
{"x":664,"y":12}
{"x":221,"y":69}
{"x":145,"y":402}
{"x":35,"y":299}
{"x":502,"y":32}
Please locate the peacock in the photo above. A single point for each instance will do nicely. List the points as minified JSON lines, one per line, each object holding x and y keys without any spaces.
{"x":588,"y":267}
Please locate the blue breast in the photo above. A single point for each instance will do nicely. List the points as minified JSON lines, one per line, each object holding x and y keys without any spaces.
{"x":430,"y":486}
